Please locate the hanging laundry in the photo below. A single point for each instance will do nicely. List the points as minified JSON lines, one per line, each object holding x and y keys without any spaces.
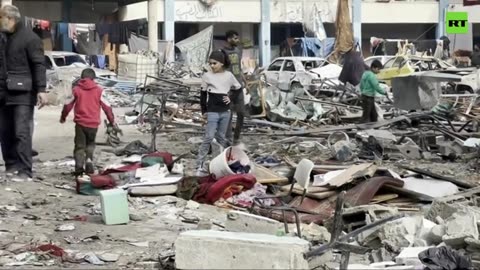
{"x":119,"y":33}
{"x":72,"y":31}
{"x":45,"y":25}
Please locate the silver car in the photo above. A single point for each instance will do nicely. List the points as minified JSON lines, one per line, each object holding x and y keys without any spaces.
{"x":292,"y":73}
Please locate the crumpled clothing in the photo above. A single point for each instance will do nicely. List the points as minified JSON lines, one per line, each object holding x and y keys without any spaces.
{"x":444,"y":258}
{"x":267,"y":160}
{"x":52,"y":249}
{"x":133,"y":148}
{"x":187,"y":187}
{"x":238,"y":168}
{"x":245,"y":199}
{"x":211,"y":190}
{"x":158,"y":157}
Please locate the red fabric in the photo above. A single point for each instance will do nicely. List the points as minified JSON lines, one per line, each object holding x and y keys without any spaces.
{"x":103,"y":181}
{"x":52,"y":249}
{"x":212,"y":190}
{"x":126,"y":168}
{"x":87,"y":101}
{"x":45,"y":25}
{"x":167,"y":157}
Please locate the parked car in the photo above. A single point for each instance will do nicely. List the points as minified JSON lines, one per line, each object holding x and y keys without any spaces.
{"x":291,"y":73}
{"x":404,"y":65}
{"x":408,"y":64}
{"x":66,"y":64}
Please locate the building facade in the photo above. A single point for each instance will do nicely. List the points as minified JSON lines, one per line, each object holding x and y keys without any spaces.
{"x":268,"y":22}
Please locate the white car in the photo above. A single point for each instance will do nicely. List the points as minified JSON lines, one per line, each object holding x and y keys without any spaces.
{"x":64,"y":65}
{"x":291,"y":73}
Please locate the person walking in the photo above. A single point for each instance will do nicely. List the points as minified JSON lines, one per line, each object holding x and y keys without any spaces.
{"x":22,"y":86}
{"x":215,"y":104}
{"x":234,"y":54}
{"x":87,"y":101}
{"x":369,"y":86}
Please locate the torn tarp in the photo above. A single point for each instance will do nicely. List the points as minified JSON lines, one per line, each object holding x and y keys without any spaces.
{"x":196,"y":49}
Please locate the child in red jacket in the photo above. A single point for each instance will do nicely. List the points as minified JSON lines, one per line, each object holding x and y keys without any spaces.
{"x":86,"y":101}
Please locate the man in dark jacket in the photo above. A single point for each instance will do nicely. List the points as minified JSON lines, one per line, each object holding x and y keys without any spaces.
{"x":22,"y":86}
{"x":234,"y":53}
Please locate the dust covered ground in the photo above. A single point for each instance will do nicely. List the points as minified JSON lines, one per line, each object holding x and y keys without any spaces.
{"x":31,"y":212}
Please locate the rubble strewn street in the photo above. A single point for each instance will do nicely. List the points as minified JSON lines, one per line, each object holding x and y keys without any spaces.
{"x":322,"y":157}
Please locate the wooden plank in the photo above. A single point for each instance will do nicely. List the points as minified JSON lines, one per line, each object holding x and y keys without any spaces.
{"x":320,"y":194}
{"x":266,"y":176}
{"x":384,"y":198}
{"x":310,"y":189}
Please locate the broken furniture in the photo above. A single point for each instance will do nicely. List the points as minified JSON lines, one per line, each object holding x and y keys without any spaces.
{"x":153,"y":103}
{"x":301,"y":179}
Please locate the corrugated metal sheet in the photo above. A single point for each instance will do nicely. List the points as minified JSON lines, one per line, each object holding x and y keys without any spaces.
{"x":361,"y":194}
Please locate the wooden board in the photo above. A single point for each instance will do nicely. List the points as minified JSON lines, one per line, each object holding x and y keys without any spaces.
{"x":318,"y":193}
{"x":266,"y":176}
{"x":383,"y":198}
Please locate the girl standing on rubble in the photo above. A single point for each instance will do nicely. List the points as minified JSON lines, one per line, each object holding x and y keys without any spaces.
{"x":214,"y":102}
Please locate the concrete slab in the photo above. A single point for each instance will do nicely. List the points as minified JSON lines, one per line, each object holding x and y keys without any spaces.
{"x":405,"y":232}
{"x":230,"y":250}
{"x":430,"y":187}
{"x":459,"y":226}
{"x":238,"y":221}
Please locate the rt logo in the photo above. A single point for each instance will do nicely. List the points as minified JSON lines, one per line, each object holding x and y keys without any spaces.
{"x":456,"y":23}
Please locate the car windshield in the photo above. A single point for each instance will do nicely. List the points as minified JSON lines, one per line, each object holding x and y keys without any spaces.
{"x":68,"y":60}
{"x":311,"y":64}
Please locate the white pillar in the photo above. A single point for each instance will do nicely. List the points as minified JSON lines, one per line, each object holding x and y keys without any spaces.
{"x":265,"y":46}
{"x":357,"y":20}
{"x":153,"y":25}
{"x":169,"y":26}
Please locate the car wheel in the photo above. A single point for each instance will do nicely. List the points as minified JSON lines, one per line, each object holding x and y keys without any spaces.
{"x":464,"y":89}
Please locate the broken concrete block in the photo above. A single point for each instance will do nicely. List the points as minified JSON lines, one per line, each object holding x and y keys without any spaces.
{"x":317,"y":262}
{"x":238,"y":221}
{"x":314,"y":233}
{"x":447,"y":206}
{"x":403,"y":232}
{"x":473,"y":244}
{"x":409,"y":256}
{"x":364,"y":215}
{"x":410,"y":151}
{"x":436,"y":234}
{"x":380,"y":255}
{"x":459,"y":226}
{"x":229,"y":250}
{"x":450,"y":149}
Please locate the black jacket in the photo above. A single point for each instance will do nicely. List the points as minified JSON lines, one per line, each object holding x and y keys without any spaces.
{"x":353,"y":68}
{"x":22,"y":54}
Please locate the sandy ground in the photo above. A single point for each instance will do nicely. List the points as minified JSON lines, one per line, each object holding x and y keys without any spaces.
{"x":30,"y":212}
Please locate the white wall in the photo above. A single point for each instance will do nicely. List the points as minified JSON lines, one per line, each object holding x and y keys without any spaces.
{"x":400,"y":12}
{"x":194,"y":11}
{"x":473,"y":11}
{"x":283,"y":11}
